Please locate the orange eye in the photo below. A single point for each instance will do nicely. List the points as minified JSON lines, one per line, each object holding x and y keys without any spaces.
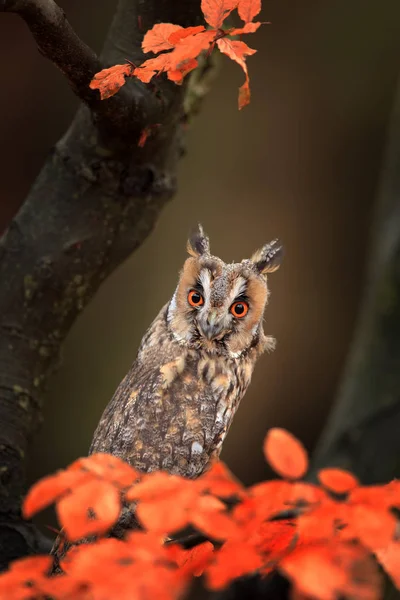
{"x":195,"y":298}
{"x":239,"y":309}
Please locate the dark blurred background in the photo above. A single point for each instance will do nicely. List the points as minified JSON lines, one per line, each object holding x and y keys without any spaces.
{"x":301,"y":163}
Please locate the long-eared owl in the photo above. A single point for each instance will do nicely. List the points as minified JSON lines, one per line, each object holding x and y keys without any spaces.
{"x":173,"y":409}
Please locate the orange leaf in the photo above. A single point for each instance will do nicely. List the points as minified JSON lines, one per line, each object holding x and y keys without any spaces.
{"x":184,"y":32}
{"x":158,"y":38}
{"x":92,"y":508}
{"x":216,"y":11}
{"x":150,"y":67}
{"x":248,"y":9}
{"x":248,"y":28}
{"x":178,"y":59}
{"x":337,"y":480}
{"x":50,"y":489}
{"x":389,"y":558}
{"x":190,"y":47}
{"x":286,"y":455}
{"x":109,"y":81}
{"x":185,"y":67}
{"x":237,"y":51}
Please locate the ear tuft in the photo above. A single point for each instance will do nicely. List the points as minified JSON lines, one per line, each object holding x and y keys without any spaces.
{"x":268,"y":259}
{"x":198,"y":243}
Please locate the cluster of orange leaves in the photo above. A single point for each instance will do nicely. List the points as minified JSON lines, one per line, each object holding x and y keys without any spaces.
{"x":181,"y":46}
{"x":323,"y":538}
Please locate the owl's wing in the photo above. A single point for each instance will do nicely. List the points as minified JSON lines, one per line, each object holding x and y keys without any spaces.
{"x":173,"y":416}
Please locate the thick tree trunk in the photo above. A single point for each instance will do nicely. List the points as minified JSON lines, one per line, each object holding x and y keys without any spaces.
{"x":96,"y":199}
{"x":362,"y":433}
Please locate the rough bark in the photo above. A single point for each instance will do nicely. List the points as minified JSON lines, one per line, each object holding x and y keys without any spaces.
{"x":362,"y":433}
{"x":94,"y":202}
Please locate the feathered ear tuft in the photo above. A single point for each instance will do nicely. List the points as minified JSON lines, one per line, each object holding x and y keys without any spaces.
{"x":198,"y":243}
{"x":268,"y":259}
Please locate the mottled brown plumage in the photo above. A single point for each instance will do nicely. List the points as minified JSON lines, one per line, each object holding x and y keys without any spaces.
{"x":173,"y":409}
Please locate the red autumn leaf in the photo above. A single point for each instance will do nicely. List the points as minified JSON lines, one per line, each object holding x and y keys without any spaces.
{"x":248,"y":9}
{"x":184,"y":32}
{"x":92,"y":508}
{"x":286,"y":455}
{"x":61,"y":588}
{"x":377,"y":496}
{"x":216,"y":11}
{"x":146,"y":132}
{"x":31,"y":566}
{"x":322,"y":523}
{"x":165,"y":517}
{"x":144,"y":135}
{"x":209,"y":517}
{"x":164,"y":501}
{"x":273,"y":498}
{"x":158,"y":38}
{"x":389,"y":557}
{"x":237,"y":51}
{"x":24,"y":578}
{"x":374,"y":528}
{"x":328,"y":571}
{"x":337,"y":480}
{"x":233,"y":560}
{"x":270,"y":498}
{"x":220,"y":482}
{"x":274,"y":539}
{"x":50,"y":489}
{"x":109,"y":467}
{"x":159,"y":485}
{"x":194,"y":561}
{"x":109,"y":81}
{"x":139,"y":567}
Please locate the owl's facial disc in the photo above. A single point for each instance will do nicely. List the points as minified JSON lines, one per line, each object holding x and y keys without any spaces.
{"x":217,"y":309}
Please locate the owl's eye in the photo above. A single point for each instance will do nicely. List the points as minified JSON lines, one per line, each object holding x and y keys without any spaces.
{"x":195,"y":298}
{"x":239,"y":309}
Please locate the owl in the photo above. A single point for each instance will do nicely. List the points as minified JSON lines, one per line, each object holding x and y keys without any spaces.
{"x":174,"y":408}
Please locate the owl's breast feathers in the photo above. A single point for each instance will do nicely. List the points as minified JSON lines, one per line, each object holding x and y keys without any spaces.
{"x":174,"y":407}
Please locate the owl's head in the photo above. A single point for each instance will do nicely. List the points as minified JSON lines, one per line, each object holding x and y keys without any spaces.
{"x":217,"y":306}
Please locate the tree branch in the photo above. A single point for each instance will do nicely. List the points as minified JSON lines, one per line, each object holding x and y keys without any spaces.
{"x":58,"y":42}
{"x":96,"y":199}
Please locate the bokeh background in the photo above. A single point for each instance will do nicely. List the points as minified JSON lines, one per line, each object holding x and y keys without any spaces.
{"x":301,"y":163}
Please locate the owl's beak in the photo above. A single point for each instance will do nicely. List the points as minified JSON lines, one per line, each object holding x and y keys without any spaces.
{"x":210,"y":327}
